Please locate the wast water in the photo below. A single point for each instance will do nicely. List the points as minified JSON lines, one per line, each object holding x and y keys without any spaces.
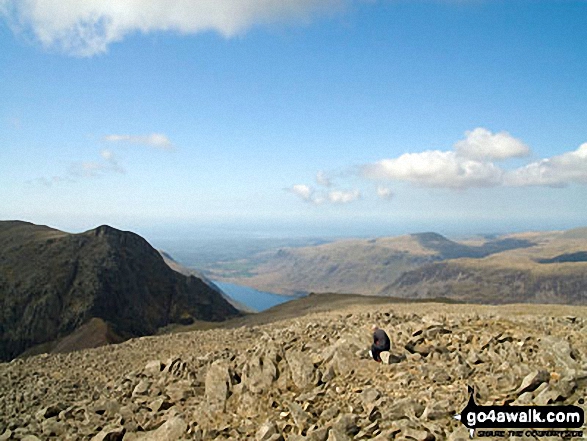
{"x":254,"y":299}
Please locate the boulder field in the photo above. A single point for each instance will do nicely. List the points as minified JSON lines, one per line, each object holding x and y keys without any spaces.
{"x":308,"y":378}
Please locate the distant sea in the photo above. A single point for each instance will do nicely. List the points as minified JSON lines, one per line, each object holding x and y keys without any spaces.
{"x":254,"y":299}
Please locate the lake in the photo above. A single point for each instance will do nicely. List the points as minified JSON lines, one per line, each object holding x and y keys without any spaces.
{"x":254,"y":299}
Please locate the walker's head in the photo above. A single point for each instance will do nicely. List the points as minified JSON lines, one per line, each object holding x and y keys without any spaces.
{"x":374,"y":328}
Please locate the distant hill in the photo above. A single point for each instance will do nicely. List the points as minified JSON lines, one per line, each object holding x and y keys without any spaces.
{"x":545,"y":267}
{"x":53,"y":283}
{"x":361,"y":266}
{"x":554,"y":270}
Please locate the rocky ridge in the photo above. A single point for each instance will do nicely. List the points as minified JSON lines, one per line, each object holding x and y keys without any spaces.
{"x":308,"y":378}
{"x":53,"y":283}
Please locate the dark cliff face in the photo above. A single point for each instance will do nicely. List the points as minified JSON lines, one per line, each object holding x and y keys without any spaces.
{"x":53,"y":282}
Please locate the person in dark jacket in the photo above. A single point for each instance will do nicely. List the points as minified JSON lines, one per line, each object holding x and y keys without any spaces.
{"x":380,"y":343}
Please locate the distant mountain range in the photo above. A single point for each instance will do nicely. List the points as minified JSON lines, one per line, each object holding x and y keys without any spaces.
{"x":546,"y":267}
{"x":67,"y":291}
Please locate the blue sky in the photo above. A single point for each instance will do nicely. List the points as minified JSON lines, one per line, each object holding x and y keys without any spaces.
{"x":306,"y":117}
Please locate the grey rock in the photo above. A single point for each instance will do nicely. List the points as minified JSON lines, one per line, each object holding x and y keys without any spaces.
{"x":217,"y":386}
{"x":266,"y":431}
{"x":301,"y":417}
{"x":404,"y":408}
{"x":329,"y":413}
{"x":110,"y":433}
{"x":560,"y":350}
{"x":52,"y":427}
{"x":337,"y":435}
{"x":302,"y":369}
{"x":320,"y":434}
{"x":259,"y":374}
{"x":158,"y":404}
{"x":172,"y":430}
{"x":153,"y":367}
{"x":51,"y":411}
{"x":181,"y":390}
{"x":141,"y":388}
{"x":418,"y":435}
{"x":533,"y":380}
{"x":346,"y":424}
{"x":436,"y":410}
{"x":369,"y":396}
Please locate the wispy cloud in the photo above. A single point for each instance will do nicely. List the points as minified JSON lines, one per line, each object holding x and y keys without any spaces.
{"x":50,"y":181}
{"x":310,"y":195}
{"x":385,"y":193}
{"x":94,"y":168}
{"x":323,"y":180}
{"x":85,"y":169}
{"x":88,"y":27}
{"x":156,"y":140}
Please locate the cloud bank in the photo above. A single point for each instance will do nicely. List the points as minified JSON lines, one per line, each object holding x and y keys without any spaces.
{"x":88,"y":27}
{"x":472,"y":164}
{"x":558,"y":171}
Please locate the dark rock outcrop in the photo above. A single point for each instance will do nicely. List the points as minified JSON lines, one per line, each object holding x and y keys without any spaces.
{"x":52,"y":283}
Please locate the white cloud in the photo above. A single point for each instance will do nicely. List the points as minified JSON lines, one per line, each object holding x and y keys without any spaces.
{"x":343,"y":197}
{"x":303,"y":191}
{"x":470,"y":165}
{"x":87,"y":27}
{"x":385,"y":193}
{"x":481,"y":144}
{"x":435,"y":168}
{"x":157,"y":140}
{"x":558,"y":171}
{"x":323,"y":180}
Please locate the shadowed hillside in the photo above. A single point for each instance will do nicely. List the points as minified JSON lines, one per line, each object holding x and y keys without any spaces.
{"x":52,"y":283}
{"x":554,"y":270}
{"x":537,"y":267}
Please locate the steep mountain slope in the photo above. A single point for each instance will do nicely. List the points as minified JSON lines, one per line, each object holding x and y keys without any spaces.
{"x":362,"y":266}
{"x":178,"y":267}
{"x":52,"y":282}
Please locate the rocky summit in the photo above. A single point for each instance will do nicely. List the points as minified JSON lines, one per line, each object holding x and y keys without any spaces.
{"x":102,"y":286}
{"x":304,"y":378}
